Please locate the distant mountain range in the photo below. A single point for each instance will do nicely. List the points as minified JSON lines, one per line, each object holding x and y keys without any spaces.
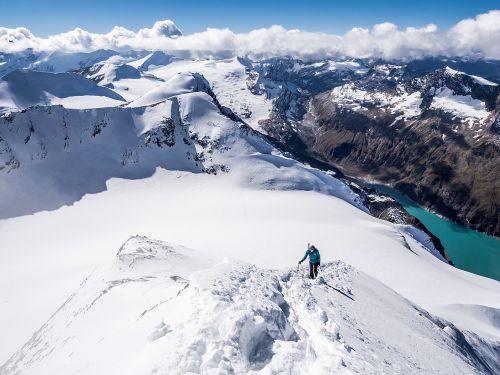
{"x":430,"y":127}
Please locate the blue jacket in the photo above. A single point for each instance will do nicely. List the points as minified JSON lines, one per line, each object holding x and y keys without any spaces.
{"x":314,"y":256}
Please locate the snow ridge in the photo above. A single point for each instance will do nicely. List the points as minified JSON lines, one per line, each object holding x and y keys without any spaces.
{"x":193,"y":315}
{"x":21,"y":89}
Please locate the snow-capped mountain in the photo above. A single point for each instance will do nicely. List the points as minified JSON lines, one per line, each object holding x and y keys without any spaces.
{"x":177,"y":125}
{"x":433,"y":135}
{"x":152,"y":60}
{"x":53,"y":62}
{"x":24,"y":88}
{"x":204,"y":153}
{"x":107,"y":73}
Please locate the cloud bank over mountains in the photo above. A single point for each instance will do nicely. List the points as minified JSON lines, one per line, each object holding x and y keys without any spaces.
{"x":477,"y":37}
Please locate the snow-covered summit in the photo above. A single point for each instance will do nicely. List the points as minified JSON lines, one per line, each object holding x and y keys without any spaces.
{"x":180,"y":83}
{"x":108,"y":73}
{"x":480,"y":80}
{"x":23,"y":88}
{"x":173,"y":310}
{"x":152,"y":60}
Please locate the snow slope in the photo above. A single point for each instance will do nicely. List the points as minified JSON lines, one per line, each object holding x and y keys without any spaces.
{"x":63,"y":154}
{"x":180,"y":83}
{"x":21,"y":89}
{"x":219,"y":216}
{"x":186,"y":132}
{"x":60,"y":62}
{"x":160,"y":308}
{"x":108,"y":73}
{"x":480,"y":80}
{"x":53,"y":62}
{"x":152,"y":60}
{"x":463,"y":106}
{"x":229,"y":81}
{"x":350,"y":96}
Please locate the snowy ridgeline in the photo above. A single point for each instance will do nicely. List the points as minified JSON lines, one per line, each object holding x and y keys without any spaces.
{"x":63,"y":154}
{"x":161,"y":308}
{"x":252,"y":89}
{"x":449,"y":91}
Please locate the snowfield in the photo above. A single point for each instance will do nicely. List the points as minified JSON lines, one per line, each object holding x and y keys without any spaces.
{"x":354,"y":98}
{"x":173,"y":163}
{"x":459,"y":105}
{"x":266,"y":228}
{"x":160,"y":308}
{"x":228,"y":80}
{"x":180,"y":83}
{"x":22,"y":89}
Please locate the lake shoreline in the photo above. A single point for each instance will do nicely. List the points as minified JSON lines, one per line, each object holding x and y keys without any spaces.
{"x":469,"y":250}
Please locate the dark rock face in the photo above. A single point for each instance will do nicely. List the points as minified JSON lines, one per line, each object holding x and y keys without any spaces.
{"x":440,"y":157}
{"x":455,"y":177}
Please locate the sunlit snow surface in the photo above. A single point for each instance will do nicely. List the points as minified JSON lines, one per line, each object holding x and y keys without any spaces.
{"x":480,"y":80}
{"x":352,"y":97}
{"x":228,"y":80}
{"x":161,"y":308}
{"x":459,"y":105}
{"x":22,"y":89}
{"x":222,"y":220}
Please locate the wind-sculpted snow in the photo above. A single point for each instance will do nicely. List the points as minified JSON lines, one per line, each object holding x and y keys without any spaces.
{"x":161,"y":308}
{"x":107,"y":73}
{"x":179,"y":84}
{"x":22,"y":89}
{"x":152,"y":60}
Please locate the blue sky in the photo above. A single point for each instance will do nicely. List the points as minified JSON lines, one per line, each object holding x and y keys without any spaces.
{"x":45,"y":18}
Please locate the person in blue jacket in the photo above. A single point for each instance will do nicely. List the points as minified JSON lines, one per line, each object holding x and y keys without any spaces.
{"x":314,"y":260}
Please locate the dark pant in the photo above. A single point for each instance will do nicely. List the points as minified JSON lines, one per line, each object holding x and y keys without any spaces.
{"x":313,"y":270}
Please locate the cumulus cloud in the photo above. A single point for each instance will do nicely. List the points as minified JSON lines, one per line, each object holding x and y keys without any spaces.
{"x":165,"y":28}
{"x":476,"y":37}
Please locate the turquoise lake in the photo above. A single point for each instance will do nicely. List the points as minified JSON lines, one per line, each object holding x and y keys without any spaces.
{"x":469,"y":250}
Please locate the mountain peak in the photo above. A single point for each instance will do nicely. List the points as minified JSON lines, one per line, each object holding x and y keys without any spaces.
{"x":480,"y":80}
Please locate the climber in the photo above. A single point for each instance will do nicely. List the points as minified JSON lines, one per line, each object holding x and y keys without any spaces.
{"x":314,"y":260}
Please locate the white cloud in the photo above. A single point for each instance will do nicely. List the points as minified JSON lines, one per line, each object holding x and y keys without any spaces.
{"x":478,"y":37}
{"x":165,"y":28}
{"x":10,"y":38}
